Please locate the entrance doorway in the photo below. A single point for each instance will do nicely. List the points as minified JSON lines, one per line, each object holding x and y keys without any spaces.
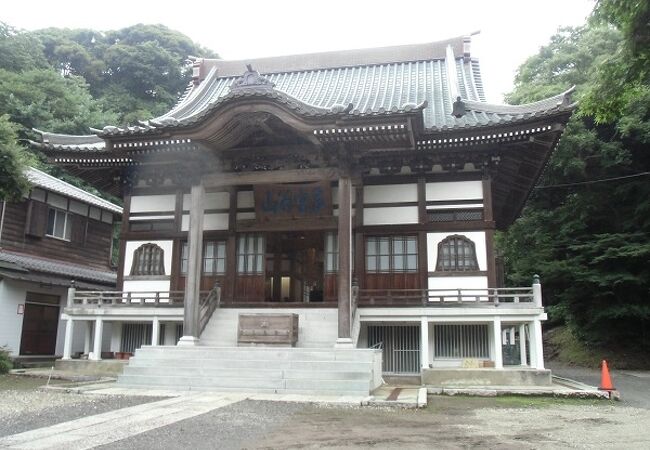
{"x":40,"y":324}
{"x":294,"y":266}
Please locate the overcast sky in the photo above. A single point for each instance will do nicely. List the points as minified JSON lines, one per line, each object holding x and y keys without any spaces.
{"x":511,"y":30}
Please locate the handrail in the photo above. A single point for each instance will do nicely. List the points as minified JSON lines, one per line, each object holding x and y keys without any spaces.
{"x":128,"y":298}
{"x":446,"y":297}
{"x":208,"y":305}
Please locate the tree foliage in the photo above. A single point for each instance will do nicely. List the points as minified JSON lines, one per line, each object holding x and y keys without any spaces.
{"x":64,"y":80}
{"x":590,"y":241}
{"x":624,"y":76}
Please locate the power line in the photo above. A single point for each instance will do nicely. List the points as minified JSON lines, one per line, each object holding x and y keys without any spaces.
{"x":603,"y":180}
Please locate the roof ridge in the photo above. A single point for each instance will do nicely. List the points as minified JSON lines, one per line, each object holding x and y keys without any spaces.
{"x":337,"y":58}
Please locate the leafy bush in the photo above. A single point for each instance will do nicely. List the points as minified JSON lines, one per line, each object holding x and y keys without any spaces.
{"x":5,"y":361}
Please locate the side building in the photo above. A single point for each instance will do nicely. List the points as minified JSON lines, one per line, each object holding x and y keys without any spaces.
{"x":57,"y":233}
{"x":355,"y":192}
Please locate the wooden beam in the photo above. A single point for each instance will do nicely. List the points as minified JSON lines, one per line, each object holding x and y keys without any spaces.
{"x":268,"y":177}
{"x":345,"y":259}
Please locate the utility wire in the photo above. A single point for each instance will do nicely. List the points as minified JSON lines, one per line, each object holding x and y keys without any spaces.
{"x":603,"y":180}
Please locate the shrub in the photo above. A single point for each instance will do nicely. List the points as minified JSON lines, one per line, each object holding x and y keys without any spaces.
{"x":5,"y":361}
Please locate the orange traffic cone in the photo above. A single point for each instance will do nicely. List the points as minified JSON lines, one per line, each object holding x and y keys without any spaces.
{"x":605,"y":379}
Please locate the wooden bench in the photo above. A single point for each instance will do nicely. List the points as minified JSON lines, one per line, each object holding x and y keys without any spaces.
{"x":268,"y":329}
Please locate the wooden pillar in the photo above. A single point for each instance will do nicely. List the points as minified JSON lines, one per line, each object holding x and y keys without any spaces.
{"x":423,"y":264}
{"x":231,"y":246}
{"x":345,"y":261}
{"x":193,"y":281}
{"x":488,"y":219}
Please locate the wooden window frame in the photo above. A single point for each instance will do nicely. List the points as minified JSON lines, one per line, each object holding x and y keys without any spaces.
{"x":67,"y":224}
{"x":216,"y":244}
{"x":391,"y":253}
{"x":153,"y":265}
{"x":257,"y":253}
{"x":455,"y":257}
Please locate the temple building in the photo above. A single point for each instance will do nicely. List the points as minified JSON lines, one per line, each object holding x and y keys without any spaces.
{"x":315,"y":222}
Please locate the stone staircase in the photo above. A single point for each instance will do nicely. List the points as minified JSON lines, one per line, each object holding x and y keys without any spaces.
{"x":307,"y":371}
{"x":318,"y":326}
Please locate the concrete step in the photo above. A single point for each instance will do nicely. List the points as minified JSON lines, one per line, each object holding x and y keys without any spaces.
{"x":286,"y":385}
{"x":256,"y":353}
{"x":258,"y":373}
{"x":250,"y":364}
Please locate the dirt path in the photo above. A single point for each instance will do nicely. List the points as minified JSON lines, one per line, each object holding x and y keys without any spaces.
{"x":468,"y":422}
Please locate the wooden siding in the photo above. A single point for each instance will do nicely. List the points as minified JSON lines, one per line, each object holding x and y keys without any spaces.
{"x":90,"y":244}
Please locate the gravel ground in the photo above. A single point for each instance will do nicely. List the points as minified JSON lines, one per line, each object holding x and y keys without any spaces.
{"x":449,"y":422}
{"x":231,"y":427}
{"x":23,"y":407}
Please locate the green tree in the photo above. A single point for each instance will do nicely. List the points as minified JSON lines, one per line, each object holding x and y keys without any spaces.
{"x":624,"y":77}
{"x":590,"y":241}
{"x":13,"y":162}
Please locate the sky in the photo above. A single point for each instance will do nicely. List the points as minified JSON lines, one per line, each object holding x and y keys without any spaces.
{"x":510,"y":30}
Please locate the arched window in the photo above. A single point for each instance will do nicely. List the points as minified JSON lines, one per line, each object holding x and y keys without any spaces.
{"x":148,"y":259}
{"x":456,"y":253}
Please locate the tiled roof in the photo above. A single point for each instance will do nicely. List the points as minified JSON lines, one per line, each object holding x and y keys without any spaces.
{"x":45,"y":181}
{"x":58,"y":268}
{"x":69,"y":142}
{"x":379,"y":81}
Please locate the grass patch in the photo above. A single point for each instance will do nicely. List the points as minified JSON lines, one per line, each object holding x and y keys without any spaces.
{"x":24,"y":383}
{"x":562,"y":346}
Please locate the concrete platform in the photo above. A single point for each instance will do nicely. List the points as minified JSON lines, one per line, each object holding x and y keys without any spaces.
{"x":462,"y":378}
{"x":102,"y":368}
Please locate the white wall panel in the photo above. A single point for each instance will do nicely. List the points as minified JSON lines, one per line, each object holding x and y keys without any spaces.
{"x":478,"y":237}
{"x":453,"y":283}
{"x":245,"y":215}
{"x":146,"y":285}
{"x":215,"y":221}
{"x":131,"y":246}
{"x":390,"y":193}
{"x":454,"y":190}
{"x":245,"y":199}
{"x":153,"y":203}
{"x":390,"y":216}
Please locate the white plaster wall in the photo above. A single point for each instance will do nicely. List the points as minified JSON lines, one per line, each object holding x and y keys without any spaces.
{"x":390,"y":193}
{"x":212,"y":200}
{"x":454,"y":190}
{"x":478,"y":237}
{"x":453,"y":283}
{"x":245,"y":199}
{"x":131,"y":246}
{"x":210,"y":221}
{"x":146,"y":285}
{"x":391,"y":215}
{"x":245,"y":215}
{"x":153,"y":203}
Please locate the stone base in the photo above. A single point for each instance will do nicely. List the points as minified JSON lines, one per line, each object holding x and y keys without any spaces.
{"x":103,"y":368}
{"x":344,"y":343}
{"x":485,"y":377}
{"x":188,"y":341}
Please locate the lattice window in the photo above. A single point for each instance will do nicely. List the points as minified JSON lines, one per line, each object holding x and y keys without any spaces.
{"x":455,"y":215}
{"x":250,"y":254}
{"x":456,"y":253}
{"x":214,"y":258}
{"x":148,"y":259}
{"x":391,"y":254}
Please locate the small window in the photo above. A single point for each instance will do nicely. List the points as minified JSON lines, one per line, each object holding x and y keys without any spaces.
{"x":456,"y":253}
{"x":214,"y":258}
{"x":250,"y":254}
{"x":391,"y":254}
{"x":58,"y":224}
{"x":148,"y":259}
{"x":331,"y":252}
